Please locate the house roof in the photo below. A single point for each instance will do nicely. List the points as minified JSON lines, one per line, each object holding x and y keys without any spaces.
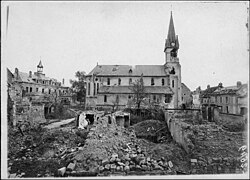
{"x":208,"y":92}
{"x":24,"y":77}
{"x":229,"y":90}
{"x":10,"y":76}
{"x":127,"y":90}
{"x":185,"y":86}
{"x":127,"y":70}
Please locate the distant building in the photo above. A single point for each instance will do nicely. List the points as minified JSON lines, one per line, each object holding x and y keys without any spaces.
{"x":196,"y":98}
{"x":205,"y":99}
{"x":33,"y":95}
{"x":186,"y":95}
{"x":108,"y":84}
{"x":230,"y":100}
{"x":37,"y":84}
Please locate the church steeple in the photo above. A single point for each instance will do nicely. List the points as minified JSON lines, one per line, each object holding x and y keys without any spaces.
{"x":171,"y":31}
{"x":172,"y":42}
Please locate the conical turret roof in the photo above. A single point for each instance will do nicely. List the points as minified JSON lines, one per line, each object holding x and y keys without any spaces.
{"x":40,"y":64}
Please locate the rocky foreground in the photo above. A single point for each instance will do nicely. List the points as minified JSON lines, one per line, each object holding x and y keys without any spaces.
{"x":110,"y":150}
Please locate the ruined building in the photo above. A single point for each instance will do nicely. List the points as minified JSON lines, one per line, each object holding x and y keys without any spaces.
{"x":227,"y":102}
{"x":33,"y":95}
{"x":107,"y":84}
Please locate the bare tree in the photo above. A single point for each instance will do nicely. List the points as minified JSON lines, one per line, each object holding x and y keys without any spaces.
{"x":115,"y":104}
{"x":139,"y":91}
{"x":78,"y":86}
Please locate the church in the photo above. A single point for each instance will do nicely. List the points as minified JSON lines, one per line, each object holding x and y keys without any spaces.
{"x":108,"y":84}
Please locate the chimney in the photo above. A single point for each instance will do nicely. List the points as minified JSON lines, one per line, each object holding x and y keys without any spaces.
{"x":220,"y":85}
{"x":17,"y":73}
{"x":208,"y":86}
{"x":30,"y":74}
{"x":63,"y":81}
{"x":238,"y":84}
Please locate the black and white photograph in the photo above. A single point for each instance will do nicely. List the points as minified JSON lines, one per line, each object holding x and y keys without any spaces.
{"x":124,"y":89}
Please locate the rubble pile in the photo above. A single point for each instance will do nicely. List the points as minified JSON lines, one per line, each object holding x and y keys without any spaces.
{"x":220,"y":147}
{"x":148,"y":128}
{"x":114,"y":150}
{"x":39,"y":153}
{"x":211,"y":148}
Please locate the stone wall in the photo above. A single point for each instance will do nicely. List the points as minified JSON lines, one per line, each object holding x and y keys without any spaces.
{"x":216,"y":166}
{"x":179,"y":130}
{"x":232,"y":122}
{"x":36,"y":113}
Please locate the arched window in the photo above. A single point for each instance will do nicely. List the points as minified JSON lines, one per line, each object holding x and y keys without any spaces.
{"x":130,"y":81}
{"x":105,"y":98}
{"x":88,"y":88}
{"x":152,"y":82}
{"x":163,"y":82}
{"x":108,"y":81}
{"x":97,"y":87}
{"x":94,"y":88}
{"x":119,"y":81}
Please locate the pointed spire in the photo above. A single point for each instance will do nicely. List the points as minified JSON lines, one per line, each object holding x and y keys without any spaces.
{"x":171,"y":31}
{"x":40,"y":64}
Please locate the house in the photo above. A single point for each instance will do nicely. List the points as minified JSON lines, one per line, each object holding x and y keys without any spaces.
{"x":112,"y":84}
{"x":31,"y":95}
{"x":186,"y":95}
{"x":230,"y":102}
{"x":196,"y":98}
{"x":207,"y":104}
{"x":232,"y":99}
{"x":37,"y":84}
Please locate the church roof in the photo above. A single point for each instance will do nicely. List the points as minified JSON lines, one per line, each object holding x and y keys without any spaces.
{"x":127,"y":70}
{"x":128,"y":90}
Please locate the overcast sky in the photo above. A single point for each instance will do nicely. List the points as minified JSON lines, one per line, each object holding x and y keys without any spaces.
{"x":72,"y":36}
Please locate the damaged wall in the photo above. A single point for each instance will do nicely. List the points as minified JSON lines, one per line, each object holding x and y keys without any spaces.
{"x":180,"y":131}
{"x":36,"y":113}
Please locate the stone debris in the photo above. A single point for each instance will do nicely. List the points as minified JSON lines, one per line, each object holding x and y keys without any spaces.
{"x":61,"y":171}
{"x":109,"y":149}
{"x":193,"y":160}
{"x":13,"y":175}
{"x":71,"y":166}
{"x":170,"y":164}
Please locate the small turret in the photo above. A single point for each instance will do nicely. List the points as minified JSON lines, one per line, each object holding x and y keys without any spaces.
{"x":40,"y":68}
